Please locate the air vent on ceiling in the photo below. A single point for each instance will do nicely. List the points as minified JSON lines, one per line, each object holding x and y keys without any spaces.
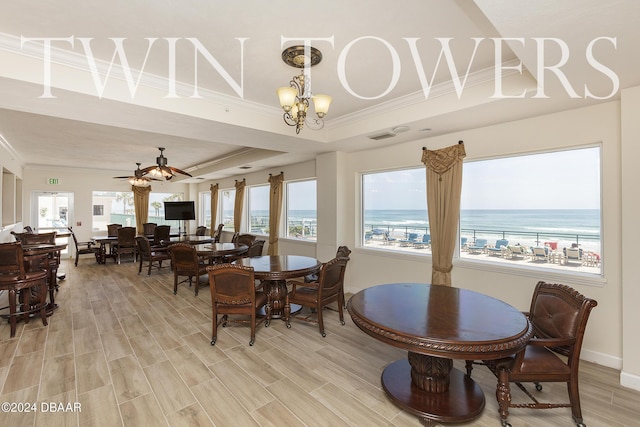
{"x":382,"y":136}
{"x":245,"y":167}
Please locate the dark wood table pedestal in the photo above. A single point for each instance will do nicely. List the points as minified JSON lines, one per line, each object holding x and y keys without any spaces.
{"x":437,"y":324}
{"x":274,"y":271}
{"x":431,"y":389}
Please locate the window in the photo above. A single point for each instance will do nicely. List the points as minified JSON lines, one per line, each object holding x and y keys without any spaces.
{"x":395,"y":210}
{"x":301,"y":209}
{"x":205,"y":209}
{"x":112,"y":207}
{"x":258,"y":198}
{"x":546,"y":202}
{"x":156,"y":208}
{"x":117,"y":208}
{"x":227,"y":200}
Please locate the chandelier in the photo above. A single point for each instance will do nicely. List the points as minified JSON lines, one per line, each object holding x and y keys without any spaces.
{"x":294,"y":99}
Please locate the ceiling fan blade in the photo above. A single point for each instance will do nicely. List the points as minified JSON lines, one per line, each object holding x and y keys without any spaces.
{"x":176,"y":170}
{"x":148,"y":169}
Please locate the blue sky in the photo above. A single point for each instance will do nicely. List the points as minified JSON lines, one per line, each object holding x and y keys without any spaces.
{"x":554,"y":180}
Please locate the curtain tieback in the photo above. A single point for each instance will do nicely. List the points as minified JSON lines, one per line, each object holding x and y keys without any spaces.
{"x":443,"y":269}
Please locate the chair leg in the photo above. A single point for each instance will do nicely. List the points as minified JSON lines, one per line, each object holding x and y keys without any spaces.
{"x":253,"y":328}
{"x":503,"y":394}
{"x":340,"y":306}
{"x":42,"y":291}
{"x":321,"y":321}
{"x":140,"y":267}
{"x":574,"y":399}
{"x":468,"y":364}
{"x":12,"y":312}
{"x":77,"y":255}
{"x":150,"y":265}
{"x":175,"y":283}
{"x":287,"y":312}
{"x":214,"y":329}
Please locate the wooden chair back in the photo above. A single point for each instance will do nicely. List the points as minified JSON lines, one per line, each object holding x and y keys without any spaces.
{"x":148,"y":228}
{"x":112,"y":229}
{"x":217,"y":235}
{"x":12,"y":260}
{"x":161,"y":234}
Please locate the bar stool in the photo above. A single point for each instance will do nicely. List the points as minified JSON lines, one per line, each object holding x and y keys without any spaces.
{"x":29,"y":289}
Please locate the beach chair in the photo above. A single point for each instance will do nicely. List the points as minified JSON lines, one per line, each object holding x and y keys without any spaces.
{"x":573,"y":255}
{"x":463,"y":243}
{"x":387,"y":240}
{"x":517,"y":251}
{"x":410,"y":240}
{"x":500,"y":248}
{"x":478,"y":247}
{"x":426,"y":241}
{"x":540,"y":254}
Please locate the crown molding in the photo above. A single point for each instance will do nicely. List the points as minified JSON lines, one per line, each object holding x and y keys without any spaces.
{"x":77,"y":61}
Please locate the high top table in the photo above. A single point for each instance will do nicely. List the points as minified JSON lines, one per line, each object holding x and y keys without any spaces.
{"x":437,"y":324}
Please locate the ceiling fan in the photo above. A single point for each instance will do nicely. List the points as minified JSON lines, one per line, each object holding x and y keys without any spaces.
{"x":161,"y":169}
{"x":138,"y":179}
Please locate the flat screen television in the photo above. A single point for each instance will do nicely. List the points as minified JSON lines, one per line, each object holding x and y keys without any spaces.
{"x":179,"y":210}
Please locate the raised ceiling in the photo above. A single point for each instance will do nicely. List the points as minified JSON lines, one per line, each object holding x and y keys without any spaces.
{"x":213,"y":106}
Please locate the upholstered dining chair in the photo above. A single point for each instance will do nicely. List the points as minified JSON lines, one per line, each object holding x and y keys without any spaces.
{"x":217,"y":235}
{"x":342,"y":252}
{"x":316,"y":295}
{"x":26,"y":291}
{"x":112,"y":229}
{"x":83,"y":248}
{"x":233,"y":292}
{"x":150,"y":255}
{"x":186,"y":262}
{"x":126,"y":243}
{"x":148,"y":228}
{"x":161,"y":235}
{"x":201,"y":230}
{"x":255,"y":249}
{"x":559,"y":315}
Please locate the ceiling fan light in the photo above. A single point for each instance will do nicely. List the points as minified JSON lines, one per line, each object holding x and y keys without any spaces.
{"x":287,"y":97}
{"x":321,"y":103}
{"x":139,"y":182}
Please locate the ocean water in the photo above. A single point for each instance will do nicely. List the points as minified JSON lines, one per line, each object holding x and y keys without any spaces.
{"x":529,"y":227}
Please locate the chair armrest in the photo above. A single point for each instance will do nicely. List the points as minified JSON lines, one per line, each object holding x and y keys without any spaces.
{"x":295,"y":283}
{"x":550,"y":342}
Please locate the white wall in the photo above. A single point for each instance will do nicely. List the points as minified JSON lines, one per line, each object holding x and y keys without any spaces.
{"x":630,"y":177}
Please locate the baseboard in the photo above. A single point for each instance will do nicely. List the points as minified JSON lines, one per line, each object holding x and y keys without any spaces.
{"x":630,"y":380}
{"x":601,"y":359}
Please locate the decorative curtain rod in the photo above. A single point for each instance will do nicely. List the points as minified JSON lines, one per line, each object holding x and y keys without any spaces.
{"x":459,"y":142}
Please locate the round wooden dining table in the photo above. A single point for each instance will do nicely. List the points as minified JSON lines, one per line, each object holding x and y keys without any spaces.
{"x":216,"y":251}
{"x":274,"y":270}
{"x":437,"y":324}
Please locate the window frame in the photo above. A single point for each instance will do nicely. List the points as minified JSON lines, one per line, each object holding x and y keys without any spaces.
{"x":588,"y":278}
{"x":284,"y":225}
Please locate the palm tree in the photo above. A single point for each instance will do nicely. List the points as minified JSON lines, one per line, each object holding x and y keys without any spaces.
{"x":156,"y":206}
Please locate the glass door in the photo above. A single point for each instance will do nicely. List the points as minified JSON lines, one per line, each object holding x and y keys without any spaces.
{"x":52,"y":211}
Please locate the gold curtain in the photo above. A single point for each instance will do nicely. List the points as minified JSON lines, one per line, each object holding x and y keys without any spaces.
{"x":141,"y":206}
{"x":237,"y":207}
{"x":214,"y":207}
{"x":444,"y":185}
{"x":275,"y":210}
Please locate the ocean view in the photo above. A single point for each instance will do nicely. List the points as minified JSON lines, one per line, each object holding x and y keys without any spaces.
{"x":529,"y":227}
